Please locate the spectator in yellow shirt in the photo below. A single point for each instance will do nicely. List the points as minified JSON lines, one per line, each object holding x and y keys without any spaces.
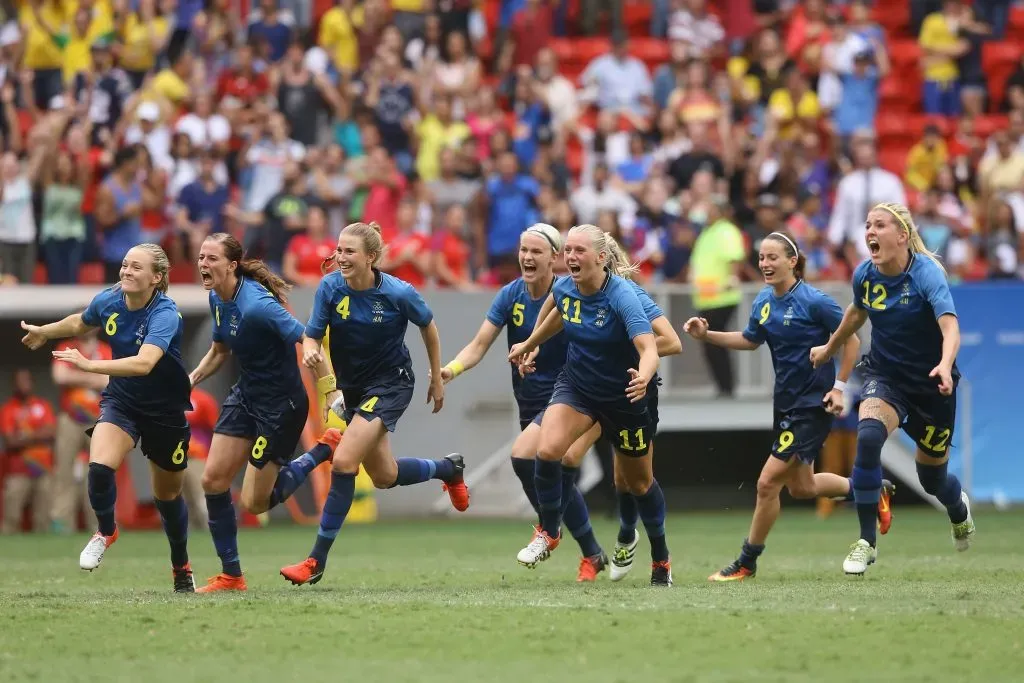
{"x":794,"y":105}
{"x":173,"y":82}
{"x":77,"y":42}
{"x":434,"y":133}
{"x":40,"y":21}
{"x":941,"y":47}
{"x":410,"y":16}
{"x":338,"y":34}
{"x":144,"y":34}
{"x":925,"y":159}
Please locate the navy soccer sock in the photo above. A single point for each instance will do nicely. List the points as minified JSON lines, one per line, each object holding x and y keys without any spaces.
{"x":224,"y":530}
{"x":524,"y":470}
{"x":102,"y":496}
{"x":575,"y":515}
{"x":295,"y":473}
{"x":867,"y":476}
{"x":174,"y":515}
{"x":749,"y":554}
{"x":418,"y":470}
{"x":336,"y":507}
{"x":629,"y":517}
{"x":936,"y":480}
{"x":652,"y":512}
{"x":547,"y":476}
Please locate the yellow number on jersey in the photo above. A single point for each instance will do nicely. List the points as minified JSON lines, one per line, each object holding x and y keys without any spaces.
{"x":368,"y":406}
{"x":626,"y":446}
{"x":878,"y":291}
{"x":111,"y":327}
{"x":575,"y":305}
{"x":765,"y":312}
{"x":257,"y":448}
{"x":930,"y":434}
{"x":178,"y":456}
{"x":342,"y":308}
{"x":517,"y":314}
{"x":785,"y":440}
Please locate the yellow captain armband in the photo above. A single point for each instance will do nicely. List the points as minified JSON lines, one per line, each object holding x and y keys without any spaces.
{"x":456,"y":367}
{"x":326,"y":385}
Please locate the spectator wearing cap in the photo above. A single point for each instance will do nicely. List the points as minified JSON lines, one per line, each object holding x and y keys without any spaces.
{"x":715,"y":266}
{"x":119,"y":211}
{"x":864,"y":187}
{"x":858,"y":102}
{"x":149,"y":130}
{"x":618,"y":82}
{"x":144,"y":35}
{"x":925,"y":158}
{"x":942,"y":47}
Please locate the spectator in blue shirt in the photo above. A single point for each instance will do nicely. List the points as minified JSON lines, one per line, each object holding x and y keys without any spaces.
{"x":511,"y":201}
{"x":201,"y":204}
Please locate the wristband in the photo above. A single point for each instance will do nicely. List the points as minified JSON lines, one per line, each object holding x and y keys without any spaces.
{"x":326,"y":385}
{"x":456,"y":367}
{"x":840,"y":385}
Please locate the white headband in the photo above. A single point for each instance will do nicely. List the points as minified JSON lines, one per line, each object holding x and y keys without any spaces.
{"x":796,"y":251}
{"x":547,"y":238}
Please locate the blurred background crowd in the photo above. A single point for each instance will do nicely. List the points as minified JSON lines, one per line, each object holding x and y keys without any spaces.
{"x":688,"y":128}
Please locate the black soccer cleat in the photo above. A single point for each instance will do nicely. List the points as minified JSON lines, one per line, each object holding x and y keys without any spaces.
{"x":456,"y":487}
{"x":661,"y":574}
{"x":183,"y":579}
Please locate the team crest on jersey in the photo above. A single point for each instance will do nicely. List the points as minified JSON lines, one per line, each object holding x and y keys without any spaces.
{"x":140,"y":333}
{"x":905,"y":294}
{"x":378,"y":311}
{"x":602,"y":317}
{"x":233,"y":324}
{"x":788,"y":316}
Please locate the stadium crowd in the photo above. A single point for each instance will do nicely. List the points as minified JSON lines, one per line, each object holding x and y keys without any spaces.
{"x":689,"y":129}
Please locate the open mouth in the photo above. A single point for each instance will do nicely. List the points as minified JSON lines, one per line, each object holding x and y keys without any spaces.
{"x":205,"y":276}
{"x":529,"y":268}
{"x":768,"y":273}
{"x":574,"y":269}
{"x":873,"y":247}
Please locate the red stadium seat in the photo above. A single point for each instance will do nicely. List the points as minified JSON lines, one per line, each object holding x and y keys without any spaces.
{"x":999,"y":60}
{"x":900,"y":93}
{"x":39,"y":275}
{"x":986,"y":125}
{"x":897,"y":127}
{"x":905,"y":54}
{"x":652,"y":51}
{"x":894,"y":158}
{"x":894,"y":17}
{"x":90,"y":274}
{"x":636,"y":15}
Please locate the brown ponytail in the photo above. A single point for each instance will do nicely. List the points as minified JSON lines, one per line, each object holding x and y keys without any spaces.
{"x":254,"y":269}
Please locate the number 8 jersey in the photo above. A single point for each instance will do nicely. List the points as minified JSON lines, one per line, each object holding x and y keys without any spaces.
{"x":906,"y":341}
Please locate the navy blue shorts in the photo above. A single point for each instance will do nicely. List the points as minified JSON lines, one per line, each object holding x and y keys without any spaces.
{"x":627,"y":425}
{"x":531,"y":417}
{"x":652,"y":404}
{"x":801,"y":433}
{"x":164,"y":438}
{"x":275,"y":430}
{"x":927,"y":417}
{"x":384,"y":400}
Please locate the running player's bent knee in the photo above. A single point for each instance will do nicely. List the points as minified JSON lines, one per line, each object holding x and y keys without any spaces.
{"x":799,"y":491}
{"x":213,"y":484}
{"x":252,"y":505}
{"x":932,"y":477}
{"x":871,"y":436}
{"x":769,"y":488}
{"x":638,"y":485}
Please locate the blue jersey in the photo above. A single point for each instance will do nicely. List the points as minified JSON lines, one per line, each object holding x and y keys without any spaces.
{"x":166,"y":389}
{"x":792,"y":324}
{"x":906,"y":342}
{"x":513,"y":307}
{"x":600,"y":328}
{"x":367,"y":327}
{"x":262,"y":335}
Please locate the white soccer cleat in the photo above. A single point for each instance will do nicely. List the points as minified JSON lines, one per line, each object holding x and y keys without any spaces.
{"x":622,"y":558}
{"x":861,"y":555}
{"x":964,"y":531}
{"x":537,"y":550}
{"x":94,"y":550}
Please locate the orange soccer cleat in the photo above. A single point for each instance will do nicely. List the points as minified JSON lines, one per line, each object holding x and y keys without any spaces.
{"x":331,"y":437}
{"x":223,"y":582}
{"x":457,"y":490}
{"x":885,"y":507}
{"x":734,"y":572}
{"x":590,"y":567}
{"x":308,"y":571}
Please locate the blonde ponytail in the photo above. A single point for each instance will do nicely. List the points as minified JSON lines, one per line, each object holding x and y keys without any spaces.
{"x":906,"y":221}
{"x":615,"y":258}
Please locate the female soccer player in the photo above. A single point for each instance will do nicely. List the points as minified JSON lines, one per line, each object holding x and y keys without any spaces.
{"x":612,"y":356}
{"x":792,"y":317}
{"x":264,"y":414}
{"x":668,"y":343}
{"x":145,"y":400}
{"x":368,"y":312}
{"x":910,"y":373}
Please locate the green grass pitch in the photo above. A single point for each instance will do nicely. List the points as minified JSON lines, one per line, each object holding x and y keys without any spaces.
{"x":443,"y":600}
